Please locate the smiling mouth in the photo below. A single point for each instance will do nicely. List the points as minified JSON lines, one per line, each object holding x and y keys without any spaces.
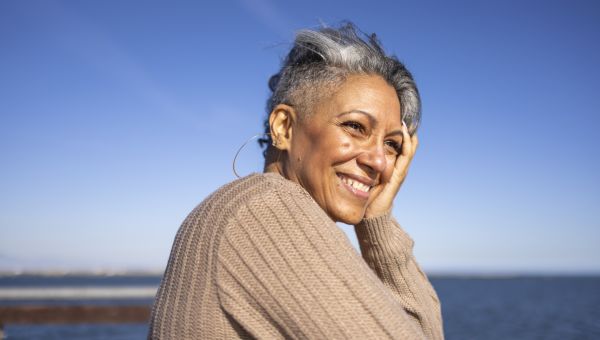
{"x":354,"y":186}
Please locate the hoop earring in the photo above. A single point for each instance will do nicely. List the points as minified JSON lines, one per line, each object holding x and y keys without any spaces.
{"x":240,"y":150}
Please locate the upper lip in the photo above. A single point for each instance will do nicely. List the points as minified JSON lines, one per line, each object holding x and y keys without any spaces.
{"x":364,"y":180}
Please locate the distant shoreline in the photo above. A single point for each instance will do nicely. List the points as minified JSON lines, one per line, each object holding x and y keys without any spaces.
{"x":158,"y":273}
{"x":90,"y":273}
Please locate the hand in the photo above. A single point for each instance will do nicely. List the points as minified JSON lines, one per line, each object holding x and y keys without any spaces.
{"x":385,"y":198}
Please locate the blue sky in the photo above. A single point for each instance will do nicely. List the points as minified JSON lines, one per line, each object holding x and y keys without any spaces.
{"x":118,"y":117}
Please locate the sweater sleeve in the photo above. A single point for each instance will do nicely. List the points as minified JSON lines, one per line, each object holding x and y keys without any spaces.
{"x":387,"y":249}
{"x":286,"y":271}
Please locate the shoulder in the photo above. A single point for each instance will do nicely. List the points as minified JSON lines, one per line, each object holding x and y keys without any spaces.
{"x":283,"y":216}
{"x":271,"y":193}
{"x":271,"y":202}
{"x":255,"y":192}
{"x":256,"y":185}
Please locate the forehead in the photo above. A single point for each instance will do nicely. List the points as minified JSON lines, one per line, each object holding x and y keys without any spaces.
{"x":366,"y":93}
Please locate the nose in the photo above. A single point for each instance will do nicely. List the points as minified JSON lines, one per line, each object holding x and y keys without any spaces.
{"x":373,"y":157}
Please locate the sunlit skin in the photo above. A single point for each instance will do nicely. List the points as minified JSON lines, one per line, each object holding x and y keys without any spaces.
{"x":351,"y":154}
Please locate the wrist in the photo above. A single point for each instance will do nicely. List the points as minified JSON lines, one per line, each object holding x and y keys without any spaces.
{"x":374,"y":213}
{"x":376,"y":218}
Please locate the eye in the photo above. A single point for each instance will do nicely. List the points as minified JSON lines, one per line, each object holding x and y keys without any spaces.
{"x":354,"y":126}
{"x":394,"y":146}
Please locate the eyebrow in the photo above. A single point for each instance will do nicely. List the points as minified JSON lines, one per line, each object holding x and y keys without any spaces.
{"x":372,"y":120}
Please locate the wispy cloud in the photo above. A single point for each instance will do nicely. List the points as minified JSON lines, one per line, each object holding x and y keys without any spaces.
{"x":270,"y":16}
{"x":96,"y":47}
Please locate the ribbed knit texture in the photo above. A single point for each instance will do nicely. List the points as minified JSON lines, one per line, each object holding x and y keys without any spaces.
{"x":259,"y":259}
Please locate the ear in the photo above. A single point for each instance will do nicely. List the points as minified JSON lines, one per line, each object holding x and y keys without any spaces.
{"x":281,"y":121}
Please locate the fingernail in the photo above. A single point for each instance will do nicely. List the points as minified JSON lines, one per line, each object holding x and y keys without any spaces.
{"x":404,"y":124}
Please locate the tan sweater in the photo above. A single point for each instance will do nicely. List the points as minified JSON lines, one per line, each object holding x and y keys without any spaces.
{"x":259,"y":259}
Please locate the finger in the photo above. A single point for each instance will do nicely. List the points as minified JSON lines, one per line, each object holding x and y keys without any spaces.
{"x":415,"y":143}
{"x":406,"y":141}
{"x":406,"y":154}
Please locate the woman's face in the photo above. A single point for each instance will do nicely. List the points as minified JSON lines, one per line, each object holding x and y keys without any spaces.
{"x":344,"y":152}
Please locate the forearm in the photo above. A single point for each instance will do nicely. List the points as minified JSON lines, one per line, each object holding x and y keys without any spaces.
{"x":387,"y":249}
{"x":295,"y":275}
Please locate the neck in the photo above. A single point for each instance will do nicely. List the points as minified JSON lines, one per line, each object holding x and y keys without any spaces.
{"x":274,"y":167}
{"x":274,"y":162}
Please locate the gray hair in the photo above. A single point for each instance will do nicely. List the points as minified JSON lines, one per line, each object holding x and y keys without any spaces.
{"x":323,"y":59}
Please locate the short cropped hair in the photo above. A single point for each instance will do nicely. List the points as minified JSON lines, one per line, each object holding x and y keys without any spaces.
{"x":320,"y":60}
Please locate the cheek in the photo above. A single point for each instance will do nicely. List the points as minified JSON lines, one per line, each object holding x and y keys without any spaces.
{"x":389,"y":168}
{"x":345,"y":148}
{"x":341,"y":146}
{"x":331,"y":147}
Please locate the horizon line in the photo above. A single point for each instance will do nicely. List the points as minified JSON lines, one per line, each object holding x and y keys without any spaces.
{"x":431,"y":273}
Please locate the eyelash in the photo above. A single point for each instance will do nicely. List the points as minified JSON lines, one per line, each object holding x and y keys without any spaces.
{"x":396,"y":146}
{"x":360,"y":128}
{"x":354,"y":126}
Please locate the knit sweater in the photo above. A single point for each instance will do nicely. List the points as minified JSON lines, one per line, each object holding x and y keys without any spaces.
{"x":260,"y":259}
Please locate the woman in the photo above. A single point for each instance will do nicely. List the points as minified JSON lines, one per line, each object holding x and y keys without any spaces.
{"x":263,"y":258}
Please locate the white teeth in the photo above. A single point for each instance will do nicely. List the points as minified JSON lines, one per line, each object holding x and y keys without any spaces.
{"x":355,"y":184}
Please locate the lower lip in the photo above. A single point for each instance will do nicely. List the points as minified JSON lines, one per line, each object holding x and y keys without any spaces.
{"x":358,"y":193}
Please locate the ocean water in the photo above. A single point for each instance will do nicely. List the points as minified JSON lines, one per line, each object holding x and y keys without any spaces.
{"x":520,"y":308}
{"x":473,"y":308}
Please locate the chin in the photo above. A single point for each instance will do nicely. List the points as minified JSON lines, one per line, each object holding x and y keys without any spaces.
{"x":351,"y":217}
{"x":352,"y":221}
